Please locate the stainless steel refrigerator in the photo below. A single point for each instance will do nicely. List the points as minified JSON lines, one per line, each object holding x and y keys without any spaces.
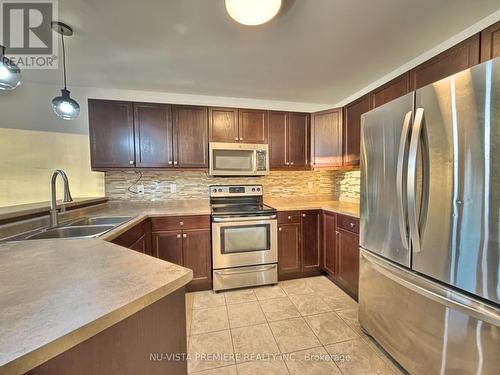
{"x":430,"y":225}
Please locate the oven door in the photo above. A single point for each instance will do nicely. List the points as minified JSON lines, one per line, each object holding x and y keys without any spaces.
{"x":244,"y":241}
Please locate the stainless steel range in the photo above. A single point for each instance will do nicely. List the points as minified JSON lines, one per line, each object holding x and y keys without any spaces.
{"x":244,"y":237}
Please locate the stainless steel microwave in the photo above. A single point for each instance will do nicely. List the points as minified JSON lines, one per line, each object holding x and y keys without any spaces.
{"x":239,"y":159}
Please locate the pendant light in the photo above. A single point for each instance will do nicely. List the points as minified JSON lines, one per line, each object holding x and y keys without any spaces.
{"x":10,"y":74}
{"x":64,"y":106}
{"x":253,"y":12}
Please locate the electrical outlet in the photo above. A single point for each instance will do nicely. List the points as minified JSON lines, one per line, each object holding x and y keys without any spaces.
{"x":140,"y":189}
{"x":173,"y":188}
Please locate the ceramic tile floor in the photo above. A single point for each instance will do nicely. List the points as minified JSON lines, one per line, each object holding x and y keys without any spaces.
{"x":303,"y":326}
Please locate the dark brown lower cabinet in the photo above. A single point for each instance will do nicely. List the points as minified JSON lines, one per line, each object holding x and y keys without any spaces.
{"x":330,"y":243}
{"x":341,"y":251}
{"x":185,"y":241}
{"x":289,"y":249}
{"x":348,"y":261}
{"x":137,"y":238}
{"x":299,"y":244}
{"x":197,"y":255}
{"x":168,"y":246}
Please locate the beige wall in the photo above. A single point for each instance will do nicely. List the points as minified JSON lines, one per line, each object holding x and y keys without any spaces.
{"x":28,"y":158}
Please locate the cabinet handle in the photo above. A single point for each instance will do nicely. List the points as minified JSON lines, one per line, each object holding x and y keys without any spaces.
{"x":241,"y":139}
{"x":287,"y":163}
{"x":291,"y":163}
{"x":337,"y":232}
{"x":170,"y":162}
{"x":131,"y":162}
{"x":352,"y":225}
{"x":280,"y":229}
{"x":181,"y":223}
{"x":176,"y":162}
{"x":178,"y":236}
{"x":236,"y":138}
{"x":289,"y":218}
{"x":303,"y":215}
{"x":184,"y":235}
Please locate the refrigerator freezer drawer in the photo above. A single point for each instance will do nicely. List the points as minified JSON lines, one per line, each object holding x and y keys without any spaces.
{"x":427,"y":328}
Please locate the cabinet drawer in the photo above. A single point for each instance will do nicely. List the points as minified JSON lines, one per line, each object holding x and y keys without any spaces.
{"x":166,"y":223}
{"x":289,"y":217}
{"x":348,"y":223}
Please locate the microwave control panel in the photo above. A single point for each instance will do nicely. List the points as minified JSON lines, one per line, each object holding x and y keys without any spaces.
{"x":261,"y":157}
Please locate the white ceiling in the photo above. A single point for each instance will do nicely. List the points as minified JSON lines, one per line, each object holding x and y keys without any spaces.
{"x":315,"y":51}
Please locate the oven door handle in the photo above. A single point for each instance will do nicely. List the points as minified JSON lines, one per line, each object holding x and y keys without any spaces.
{"x":235,"y":219}
{"x":237,"y":272}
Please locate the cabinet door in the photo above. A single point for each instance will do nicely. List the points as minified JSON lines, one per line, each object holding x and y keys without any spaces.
{"x":197,"y":254}
{"x":352,"y":129}
{"x":348,"y":264}
{"x":311,"y":240}
{"x":460,"y":57}
{"x":329,"y":243}
{"x":278,"y":139}
{"x":490,"y":42}
{"x":140,"y":245}
{"x":298,"y":140}
{"x":111,"y":131}
{"x":190,"y":136}
{"x":391,"y":90}
{"x":289,"y":258}
{"x":153,"y":135}
{"x":223,"y":124}
{"x":253,"y":126}
{"x":326,"y":138}
{"x":168,"y":246}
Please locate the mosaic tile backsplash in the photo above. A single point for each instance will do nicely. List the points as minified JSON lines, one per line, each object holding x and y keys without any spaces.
{"x":338,"y":185}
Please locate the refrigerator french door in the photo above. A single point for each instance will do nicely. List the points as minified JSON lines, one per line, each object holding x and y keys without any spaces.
{"x":455,"y":236}
{"x":430,"y":225}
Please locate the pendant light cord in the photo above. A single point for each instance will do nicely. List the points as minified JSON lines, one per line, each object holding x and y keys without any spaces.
{"x":64,"y":58}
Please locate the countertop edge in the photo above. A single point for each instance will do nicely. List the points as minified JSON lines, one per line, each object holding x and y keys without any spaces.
{"x":52,"y":349}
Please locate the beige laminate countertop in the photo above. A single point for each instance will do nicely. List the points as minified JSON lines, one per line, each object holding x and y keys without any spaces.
{"x":295,"y":204}
{"x":55,"y":294}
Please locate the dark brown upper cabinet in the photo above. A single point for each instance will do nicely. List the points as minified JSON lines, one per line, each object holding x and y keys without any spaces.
{"x":455,"y":59}
{"x":190,"y":136}
{"x":147,"y":135}
{"x":153,"y":135}
{"x":111,"y":131}
{"x":288,"y":140}
{"x":490,"y":42}
{"x":352,"y":129}
{"x":238,"y":125}
{"x":223,"y":124}
{"x":298,"y":140}
{"x":253,"y":126}
{"x":278,"y":140}
{"x":326,"y":139}
{"x":391,"y":90}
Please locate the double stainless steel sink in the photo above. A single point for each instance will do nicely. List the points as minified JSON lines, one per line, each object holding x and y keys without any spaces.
{"x":85,"y":227}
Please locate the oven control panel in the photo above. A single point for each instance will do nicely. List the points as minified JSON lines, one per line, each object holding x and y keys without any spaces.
{"x":235,"y":190}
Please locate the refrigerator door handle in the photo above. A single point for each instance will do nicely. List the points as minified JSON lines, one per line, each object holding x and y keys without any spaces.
{"x":400,"y":180}
{"x":412,"y":180}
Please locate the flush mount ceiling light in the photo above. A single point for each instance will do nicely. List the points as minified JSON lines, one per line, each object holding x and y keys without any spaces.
{"x":10,"y":74}
{"x":64,"y":106}
{"x":253,"y":12}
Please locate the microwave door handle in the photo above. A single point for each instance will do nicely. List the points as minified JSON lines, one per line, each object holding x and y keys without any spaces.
{"x":400,"y":180}
{"x":412,"y":180}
